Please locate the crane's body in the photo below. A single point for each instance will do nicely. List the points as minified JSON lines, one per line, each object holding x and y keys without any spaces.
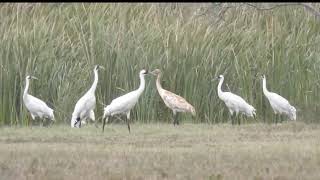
{"x":124,"y":103}
{"x":35,"y":106}
{"x":86,"y":104}
{"x":84,"y":110}
{"x":235,"y":103}
{"x":279,"y":104}
{"x":175,"y":102}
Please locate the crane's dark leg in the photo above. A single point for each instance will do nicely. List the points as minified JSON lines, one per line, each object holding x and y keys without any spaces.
{"x":41,"y":122}
{"x":230,"y":118}
{"x":234,"y":119}
{"x":104,"y":122}
{"x":110,"y":119}
{"x":177,"y":119}
{"x":174,"y":118}
{"x":276,"y":120}
{"x":128,"y":119}
{"x":96,"y":123}
{"x":281,"y":119}
{"x":28,"y":122}
{"x":37,"y":119}
{"x":51,"y":123}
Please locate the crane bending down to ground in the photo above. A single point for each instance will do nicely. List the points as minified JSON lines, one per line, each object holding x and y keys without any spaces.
{"x":279,"y":104}
{"x":85,"y":105}
{"x":174,"y":102}
{"x":234,"y":102}
{"x":35,"y":106}
{"x":124,"y":103}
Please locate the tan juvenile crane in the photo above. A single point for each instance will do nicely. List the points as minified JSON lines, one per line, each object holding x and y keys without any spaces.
{"x":174,"y":102}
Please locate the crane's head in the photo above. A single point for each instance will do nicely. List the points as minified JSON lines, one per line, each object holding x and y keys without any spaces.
{"x":220,"y":77}
{"x":144,"y":71}
{"x":156,"y":72}
{"x":98,"y":67}
{"x":263,"y":76}
{"x":31,"y":77}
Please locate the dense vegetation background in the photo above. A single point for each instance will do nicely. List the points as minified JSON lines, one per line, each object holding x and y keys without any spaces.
{"x":190,"y":43}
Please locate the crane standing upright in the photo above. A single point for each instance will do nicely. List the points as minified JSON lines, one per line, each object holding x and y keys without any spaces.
{"x":85,"y":105}
{"x":279,"y":104}
{"x":174,"y":102}
{"x":35,"y":106}
{"x":234,"y":102}
{"x":124,"y":103}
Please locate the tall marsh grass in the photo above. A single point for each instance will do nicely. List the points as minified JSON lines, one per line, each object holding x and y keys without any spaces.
{"x":61,"y":43}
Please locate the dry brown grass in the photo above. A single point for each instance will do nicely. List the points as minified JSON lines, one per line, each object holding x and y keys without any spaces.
{"x":161,"y":151}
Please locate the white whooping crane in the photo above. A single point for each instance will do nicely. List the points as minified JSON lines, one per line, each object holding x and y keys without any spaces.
{"x":35,"y":106}
{"x":279,"y":104}
{"x":174,"y":102}
{"x":234,"y":102}
{"x":124,"y":103}
{"x":85,"y":105}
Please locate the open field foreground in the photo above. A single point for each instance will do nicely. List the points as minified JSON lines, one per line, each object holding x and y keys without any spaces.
{"x":161,"y":151}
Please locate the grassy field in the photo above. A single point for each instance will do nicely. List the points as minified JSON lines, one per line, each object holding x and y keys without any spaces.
{"x":160,"y":151}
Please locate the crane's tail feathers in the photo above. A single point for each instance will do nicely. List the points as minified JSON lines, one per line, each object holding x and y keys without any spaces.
{"x":73,"y":121}
{"x":253,"y":112}
{"x":193,"y":111}
{"x":92,"y":116}
{"x":106,"y":112}
{"x":293,"y":115}
{"x":52,"y":118}
{"x":51,"y":115}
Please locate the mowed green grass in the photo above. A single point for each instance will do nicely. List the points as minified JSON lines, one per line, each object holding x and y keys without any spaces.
{"x":161,"y":151}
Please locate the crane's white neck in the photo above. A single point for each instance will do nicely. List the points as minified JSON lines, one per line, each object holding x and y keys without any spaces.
{"x":264,"y":86}
{"x":142,"y":83}
{"x":25,"y":92}
{"x":95,"y":82}
{"x":220,"y":92}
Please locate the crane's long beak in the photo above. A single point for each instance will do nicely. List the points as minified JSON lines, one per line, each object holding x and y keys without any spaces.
{"x":102,"y":67}
{"x":152,"y":73}
{"x":214,"y":79}
{"x":34,"y":77}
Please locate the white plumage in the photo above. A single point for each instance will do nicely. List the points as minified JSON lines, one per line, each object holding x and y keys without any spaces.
{"x":85,"y":105}
{"x":35,"y":106}
{"x":234,"y":102}
{"x":279,"y":104}
{"x":124,"y":103}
